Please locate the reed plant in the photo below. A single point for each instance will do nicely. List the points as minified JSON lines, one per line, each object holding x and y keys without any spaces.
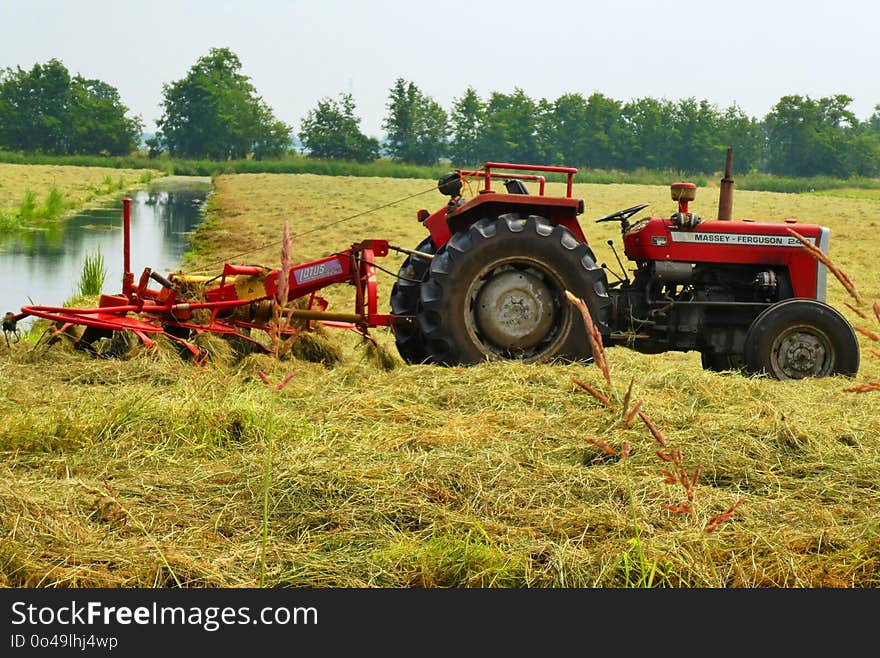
{"x":28,"y":209}
{"x":9,"y":221}
{"x":93,"y":275}
{"x":55,"y":204}
{"x":28,"y":206}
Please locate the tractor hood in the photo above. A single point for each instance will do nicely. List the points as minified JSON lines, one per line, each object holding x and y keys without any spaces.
{"x":740,"y":242}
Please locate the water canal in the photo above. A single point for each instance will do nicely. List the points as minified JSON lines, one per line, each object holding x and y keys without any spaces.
{"x":42,"y":265}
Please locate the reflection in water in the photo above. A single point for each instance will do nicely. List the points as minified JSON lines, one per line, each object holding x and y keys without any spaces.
{"x":43,"y":266}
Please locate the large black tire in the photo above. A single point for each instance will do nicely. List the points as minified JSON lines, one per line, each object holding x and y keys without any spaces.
{"x":721,"y":362}
{"x":799,"y":338}
{"x":406,"y":303}
{"x":497,"y":291}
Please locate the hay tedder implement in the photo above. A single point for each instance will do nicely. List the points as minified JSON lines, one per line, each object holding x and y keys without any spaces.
{"x":490,"y":282}
{"x":233,"y":304}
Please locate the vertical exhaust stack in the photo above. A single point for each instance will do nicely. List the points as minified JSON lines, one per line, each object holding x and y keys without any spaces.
{"x":725,"y":198}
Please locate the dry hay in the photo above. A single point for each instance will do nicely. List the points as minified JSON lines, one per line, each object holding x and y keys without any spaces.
{"x":425,"y":476}
{"x":150,"y":471}
{"x":379,"y":355}
{"x":316,"y":348}
{"x":79,"y":185}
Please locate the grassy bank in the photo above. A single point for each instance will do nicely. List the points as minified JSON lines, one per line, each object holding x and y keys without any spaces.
{"x":150,"y":471}
{"x":384,"y":168}
{"x":30,"y":192}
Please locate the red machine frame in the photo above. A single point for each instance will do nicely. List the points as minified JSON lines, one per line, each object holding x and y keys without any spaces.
{"x":560,"y":210}
{"x":148,"y":312}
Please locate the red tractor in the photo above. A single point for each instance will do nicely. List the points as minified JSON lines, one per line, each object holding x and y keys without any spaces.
{"x":489,"y":282}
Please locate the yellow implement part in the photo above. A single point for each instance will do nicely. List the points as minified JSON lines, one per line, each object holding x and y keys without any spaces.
{"x":250,"y":287}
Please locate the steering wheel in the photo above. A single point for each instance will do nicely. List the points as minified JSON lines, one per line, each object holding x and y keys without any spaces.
{"x":623,"y":215}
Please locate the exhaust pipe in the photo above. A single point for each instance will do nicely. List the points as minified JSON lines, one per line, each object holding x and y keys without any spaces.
{"x":725,"y":198}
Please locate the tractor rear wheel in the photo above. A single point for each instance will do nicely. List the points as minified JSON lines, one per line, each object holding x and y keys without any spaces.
{"x":497,"y":291}
{"x":799,"y":338}
{"x":405,"y":304}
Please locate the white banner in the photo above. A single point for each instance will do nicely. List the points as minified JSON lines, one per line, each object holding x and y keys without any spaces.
{"x":740,"y":239}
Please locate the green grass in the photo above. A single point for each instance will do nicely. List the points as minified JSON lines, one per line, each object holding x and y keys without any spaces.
{"x":9,"y":221}
{"x":28,"y":207}
{"x":769,"y":183}
{"x":638,"y":571}
{"x":291,"y":164}
{"x":94,"y":273}
{"x":28,"y":210}
{"x":56,"y":189}
{"x":384,"y":168}
{"x":109,"y":186}
{"x":55,"y":204}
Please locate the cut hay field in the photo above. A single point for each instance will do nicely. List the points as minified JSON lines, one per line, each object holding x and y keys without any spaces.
{"x":78,"y":186}
{"x":149,"y":471}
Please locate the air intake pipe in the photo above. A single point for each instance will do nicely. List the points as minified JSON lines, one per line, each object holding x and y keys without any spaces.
{"x":725,"y":198}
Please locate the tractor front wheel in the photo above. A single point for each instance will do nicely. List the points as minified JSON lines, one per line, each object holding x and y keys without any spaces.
{"x":800,"y":338}
{"x":497,"y":291}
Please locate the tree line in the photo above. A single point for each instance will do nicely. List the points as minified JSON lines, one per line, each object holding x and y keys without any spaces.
{"x":215,"y":112}
{"x":46,"y":110}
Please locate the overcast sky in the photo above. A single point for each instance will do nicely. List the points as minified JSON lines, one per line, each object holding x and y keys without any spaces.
{"x":296,"y":52}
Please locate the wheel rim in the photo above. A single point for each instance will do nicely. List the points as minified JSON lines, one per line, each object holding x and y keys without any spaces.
{"x":802,"y":351}
{"x":515,"y":309}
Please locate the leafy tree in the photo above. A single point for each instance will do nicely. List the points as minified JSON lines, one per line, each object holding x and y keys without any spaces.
{"x":331,"y":130}
{"x":807,"y":137}
{"x":46,"y":110}
{"x":698,"y":143}
{"x":568,"y":130}
{"x":271,"y":137}
{"x":417,"y":127}
{"x":214,"y":112}
{"x":510,"y":134}
{"x":466,"y":126}
{"x":862,"y":154}
{"x":98,"y":122}
{"x":873,"y":122}
{"x":544,"y":124}
{"x":400,"y":123}
{"x":432,"y":131}
{"x":745,"y":136}
{"x":606,"y":135}
{"x":648,"y":134}
{"x":33,"y":108}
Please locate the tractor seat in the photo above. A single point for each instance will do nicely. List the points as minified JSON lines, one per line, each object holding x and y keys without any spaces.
{"x":515,"y":186}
